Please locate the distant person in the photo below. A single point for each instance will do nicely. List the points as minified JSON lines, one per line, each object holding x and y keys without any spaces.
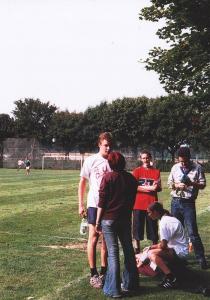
{"x":185,"y":180}
{"x":173,"y":243}
{"x":27,"y":166}
{"x":20,"y":164}
{"x":116,"y":198}
{"x":92,"y":171}
{"x":149,"y":183}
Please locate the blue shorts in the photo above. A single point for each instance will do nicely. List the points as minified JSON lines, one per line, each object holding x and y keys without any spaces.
{"x":92,"y":215}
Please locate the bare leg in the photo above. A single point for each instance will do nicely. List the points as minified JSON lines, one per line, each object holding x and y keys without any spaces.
{"x":103,"y":252}
{"x":159,"y":256}
{"x":91,"y":248}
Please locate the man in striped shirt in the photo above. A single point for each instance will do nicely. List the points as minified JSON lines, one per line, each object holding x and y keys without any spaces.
{"x":185,"y":180}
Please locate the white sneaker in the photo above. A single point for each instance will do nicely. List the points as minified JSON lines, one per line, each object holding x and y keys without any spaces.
{"x":96,"y":282}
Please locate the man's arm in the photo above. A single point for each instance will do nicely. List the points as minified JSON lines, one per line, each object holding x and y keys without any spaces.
{"x":81,"y":194}
{"x":163,"y":245}
{"x":100,"y":212}
{"x":200,"y":184}
{"x":148,"y":188}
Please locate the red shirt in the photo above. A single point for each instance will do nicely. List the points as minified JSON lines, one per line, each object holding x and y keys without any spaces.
{"x":145,"y":176}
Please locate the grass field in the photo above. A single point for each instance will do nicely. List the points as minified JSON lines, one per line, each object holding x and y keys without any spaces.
{"x":42,"y":255}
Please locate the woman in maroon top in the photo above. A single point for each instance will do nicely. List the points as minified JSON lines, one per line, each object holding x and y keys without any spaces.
{"x":116,"y":199}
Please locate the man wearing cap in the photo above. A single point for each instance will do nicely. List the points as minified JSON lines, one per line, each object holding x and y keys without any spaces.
{"x":185,"y":180}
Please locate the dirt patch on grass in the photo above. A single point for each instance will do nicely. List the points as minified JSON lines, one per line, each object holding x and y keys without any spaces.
{"x":75,"y":246}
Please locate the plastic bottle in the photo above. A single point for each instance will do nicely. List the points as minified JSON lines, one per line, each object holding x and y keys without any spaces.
{"x":83,"y":226}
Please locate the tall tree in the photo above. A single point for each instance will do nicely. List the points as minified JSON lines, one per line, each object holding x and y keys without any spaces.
{"x":65,"y":129}
{"x":126,"y":119}
{"x":33,"y":118}
{"x":185,"y":64}
{"x":7,"y":129}
{"x":7,"y":126}
{"x":169,"y":122}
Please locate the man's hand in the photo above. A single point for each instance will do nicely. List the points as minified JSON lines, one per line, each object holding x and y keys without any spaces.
{"x":139,"y":263}
{"x":98,"y":228}
{"x":82,"y":211}
{"x":180,"y":185}
{"x":81,"y":193}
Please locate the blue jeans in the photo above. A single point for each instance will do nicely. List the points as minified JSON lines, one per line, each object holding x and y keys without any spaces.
{"x":184,"y":210}
{"x":113,"y":230}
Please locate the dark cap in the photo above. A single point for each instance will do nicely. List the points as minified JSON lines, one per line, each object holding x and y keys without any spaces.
{"x":184,"y":152}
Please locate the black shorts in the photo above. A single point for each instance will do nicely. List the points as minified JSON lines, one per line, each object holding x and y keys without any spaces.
{"x":91,"y":215}
{"x":140,"y":217}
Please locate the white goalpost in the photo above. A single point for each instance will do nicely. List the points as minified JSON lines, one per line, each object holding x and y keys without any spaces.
{"x":63,"y":156}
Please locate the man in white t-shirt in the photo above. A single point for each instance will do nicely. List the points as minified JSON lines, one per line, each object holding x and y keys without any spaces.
{"x":93,"y":169}
{"x":173,"y":242}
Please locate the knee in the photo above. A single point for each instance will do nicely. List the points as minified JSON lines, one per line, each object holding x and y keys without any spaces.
{"x":92,"y":240}
{"x":152,"y":256}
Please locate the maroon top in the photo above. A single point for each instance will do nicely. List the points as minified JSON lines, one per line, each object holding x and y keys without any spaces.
{"x":117,"y":195}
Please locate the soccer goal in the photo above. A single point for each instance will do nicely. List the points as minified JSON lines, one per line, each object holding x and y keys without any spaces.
{"x":63,"y":161}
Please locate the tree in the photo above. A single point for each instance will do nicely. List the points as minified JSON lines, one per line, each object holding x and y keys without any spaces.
{"x":185,"y":64}
{"x":7,"y":126}
{"x":94,"y":121}
{"x":65,"y":129}
{"x":7,"y":129}
{"x":170,"y":122}
{"x":126,"y":119}
{"x":33,"y":118}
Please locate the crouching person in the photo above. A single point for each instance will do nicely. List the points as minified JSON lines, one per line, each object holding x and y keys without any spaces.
{"x":173,"y":243}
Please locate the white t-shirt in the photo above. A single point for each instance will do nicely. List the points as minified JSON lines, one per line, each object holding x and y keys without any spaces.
{"x":173,"y":232}
{"x":93,"y":169}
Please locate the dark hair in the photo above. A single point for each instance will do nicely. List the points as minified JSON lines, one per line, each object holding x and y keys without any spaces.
{"x":116,"y":161}
{"x":184,"y":152}
{"x":146,"y":152}
{"x":157,"y":206}
{"x":105,"y":136}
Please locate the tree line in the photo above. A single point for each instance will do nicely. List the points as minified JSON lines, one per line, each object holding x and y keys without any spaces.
{"x":156,"y":123}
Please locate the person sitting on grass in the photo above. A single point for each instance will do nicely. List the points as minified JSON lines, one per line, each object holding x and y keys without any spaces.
{"x":173,"y":243}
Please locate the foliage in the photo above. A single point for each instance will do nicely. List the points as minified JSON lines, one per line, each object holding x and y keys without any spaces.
{"x":7,"y":126}
{"x":33,"y":118}
{"x":169,"y":122}
{"x":65,"y":129}
{"x":185,"y":63}
{"x":95,"y":120}
{"x":126,"y":120}
{"x":160,"y":124}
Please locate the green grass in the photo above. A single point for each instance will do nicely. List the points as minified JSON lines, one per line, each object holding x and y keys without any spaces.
{"x":41,"y":210}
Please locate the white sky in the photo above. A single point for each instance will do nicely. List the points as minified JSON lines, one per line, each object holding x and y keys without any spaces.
{"x":74,"y":53}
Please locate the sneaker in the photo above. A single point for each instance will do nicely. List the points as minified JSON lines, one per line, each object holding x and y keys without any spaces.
{"x":102,"y":278}
{"x":96,"y":282}
{"x":168,"y":283}
{"x":123,"y":289}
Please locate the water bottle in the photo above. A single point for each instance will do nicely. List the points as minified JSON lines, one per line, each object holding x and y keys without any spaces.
{"x":83,"y":226}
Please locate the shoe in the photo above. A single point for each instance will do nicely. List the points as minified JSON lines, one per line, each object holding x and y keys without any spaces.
{"x":203,"y":264}
{"x":113,"y":296}
{"x":168,"y":283}
{"x":123,"y":289}
{"x":96,"y":282}
{"x":102,"y":278}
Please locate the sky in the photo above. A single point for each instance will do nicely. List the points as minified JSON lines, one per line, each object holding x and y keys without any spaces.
{"x":74,"y":53}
